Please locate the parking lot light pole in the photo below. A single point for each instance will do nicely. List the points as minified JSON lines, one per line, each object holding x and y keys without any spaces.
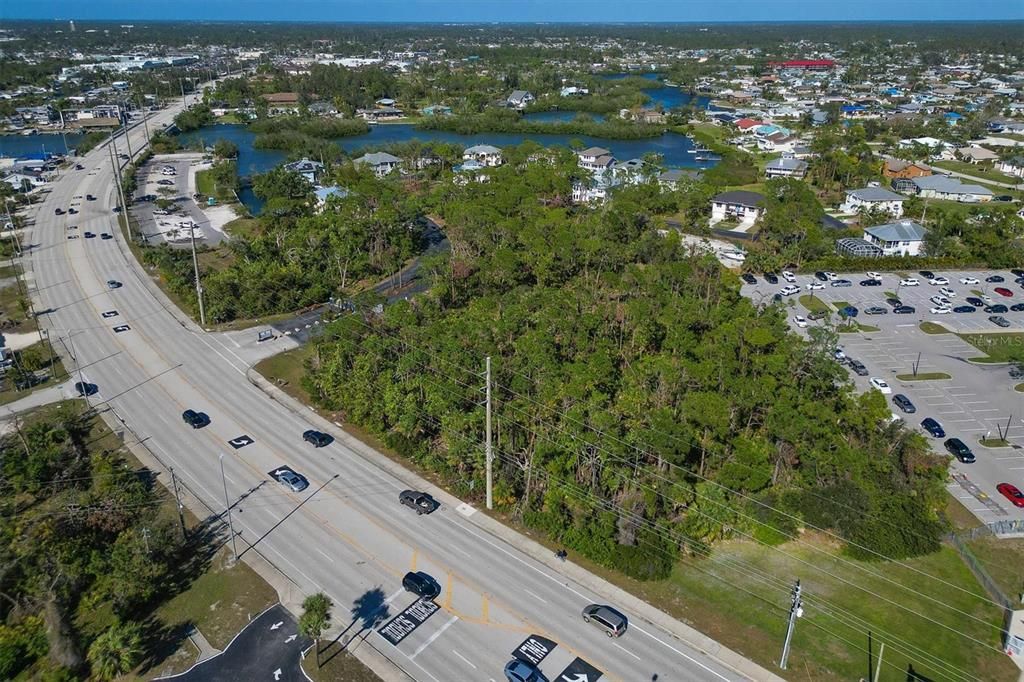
{"x":227,"y":506}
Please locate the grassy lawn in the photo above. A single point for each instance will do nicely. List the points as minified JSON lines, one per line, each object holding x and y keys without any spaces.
{"x":1019,"y":388}
{"x":814,"y":304}
{"x":243,"y":227}
{"x":994,"y":442}
{"x":933,"y":328}
{"x":336,"y":665}
{"x":207,"y":186}
{"x":983,"y":172}
{"x":286,"y":370}
{"x":867,"y":328}
{"x":997,"y":347}
{"x":12,"y":311}
{"x":924,"y":376}
{"x":1004,"y":560}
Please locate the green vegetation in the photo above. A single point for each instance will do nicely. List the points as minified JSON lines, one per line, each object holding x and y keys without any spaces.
{"x":1019,"y":388}
{"x":814,"y":304}
{"x":326,"y":128}
{"x":315,"y":618}
{"x":983,"y":172}
{"x":997,"y":347}
{"x":924,"y":376}
{"x":505,"y":121}
{"x":994,"y":442}
{"x":35,"y":367}
{"x":933,"y":328}
{"x":196,"y":117}
{"x":90,"y":141}
{"x":219,"y":181}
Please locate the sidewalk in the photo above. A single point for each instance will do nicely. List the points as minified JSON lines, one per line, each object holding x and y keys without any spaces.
{"x":44,"y":396}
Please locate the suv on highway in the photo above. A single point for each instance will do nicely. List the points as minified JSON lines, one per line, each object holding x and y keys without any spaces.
{"x":959,"y":449}
{"x":196,"y":420}
{"x":606,"y":618}
{"x":421,"y":502}
{"x":317,"y":438}
{"x":421,"y":584}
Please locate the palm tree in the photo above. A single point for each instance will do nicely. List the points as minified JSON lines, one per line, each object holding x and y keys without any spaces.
{"x":117,"y":651}
{"x":316,"y":615}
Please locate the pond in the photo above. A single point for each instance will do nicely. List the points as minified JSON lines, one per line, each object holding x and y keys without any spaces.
{"x":37,"y":145}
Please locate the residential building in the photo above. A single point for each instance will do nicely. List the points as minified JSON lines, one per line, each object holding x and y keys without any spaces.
{"x":574,"y":91}
{"x":520,"y":99}
{"x":597,"y":160}
{"x":1013,"y":166}
{"x":901,"y":238}
{"x":323,"y":194}
{"x":311,"y":170}
{"x":895,"y":168}
{"x":873,"y":198}
{"x":381,"y":163}
{"x":785,"y":168}
{"x":437,"y":110}
{"x":944,"y":187}
{"x":740,"y":205}
{"x":976,"y":154}
{"x":485,"y":154}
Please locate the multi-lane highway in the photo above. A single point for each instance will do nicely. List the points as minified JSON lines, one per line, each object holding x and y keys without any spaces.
{"x":346,"y":534}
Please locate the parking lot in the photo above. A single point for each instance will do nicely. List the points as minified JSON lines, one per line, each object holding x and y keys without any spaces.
{"x":172,"y":228}
{"x":975,"y":403}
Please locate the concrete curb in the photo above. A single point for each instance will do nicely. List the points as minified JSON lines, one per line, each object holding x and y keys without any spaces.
{"x":634,"y":605}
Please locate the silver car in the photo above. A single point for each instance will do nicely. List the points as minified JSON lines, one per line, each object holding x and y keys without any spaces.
{"x":606,"y":618}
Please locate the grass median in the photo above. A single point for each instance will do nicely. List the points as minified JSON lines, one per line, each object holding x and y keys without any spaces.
{"x":814,"y":304}
{"x":924,"y":376}
{"x":997,"y":347}
{"x":933,"y":328}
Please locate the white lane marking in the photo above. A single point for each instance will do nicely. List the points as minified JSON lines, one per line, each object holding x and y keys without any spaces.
{"x":470,"y":664}
{"x":462,"y":551}
{"x":433,"y":637}
{"x":535,"y":595}
{"x":324,"y":554}
{"x":626,"y":650}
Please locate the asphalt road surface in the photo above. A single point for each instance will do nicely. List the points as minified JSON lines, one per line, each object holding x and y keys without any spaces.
{"x":345,"y":535}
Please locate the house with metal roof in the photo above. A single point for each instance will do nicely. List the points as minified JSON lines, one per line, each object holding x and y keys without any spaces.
{"x":486,"y":154}
{"x":307,"y":168}
{"x":785,"y":168}
{"x":900,"y":238}
{"x":520,"y":99}
{"x":873,"y":198}
{"x":381,"y":163}
{"x":952,"y":189}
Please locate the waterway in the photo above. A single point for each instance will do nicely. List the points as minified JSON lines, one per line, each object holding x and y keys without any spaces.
{"x":38,"y":145}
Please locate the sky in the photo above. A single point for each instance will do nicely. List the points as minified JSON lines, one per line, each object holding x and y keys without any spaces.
{"x":586,"y":11}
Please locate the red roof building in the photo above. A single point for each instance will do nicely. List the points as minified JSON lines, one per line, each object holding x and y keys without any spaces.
{"x":807,"y":64}
{"x":746,"y":123}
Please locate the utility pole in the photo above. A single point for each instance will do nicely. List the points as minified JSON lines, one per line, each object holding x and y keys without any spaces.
{"x":181,"y":509}
{"x":487,"y":447}
{"x":795,"y":611}
{"x":184,"y":102}
{"x":195,"y":265}
{"x":145,"y":117}
{"x":227,"y":506}
{"x":124,"y":127}
{"x":112,"y":148}
{"x":78,"y":365}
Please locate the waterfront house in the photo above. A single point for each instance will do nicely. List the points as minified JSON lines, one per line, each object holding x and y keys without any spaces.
{"x":786,"y":167}
{"x":485,"y":154}
{"x":311,"y":170}
{"x":746,"y":207}
{"x":597,"y":160}
{"x":381,"y":163}
{"x":520,"y":99}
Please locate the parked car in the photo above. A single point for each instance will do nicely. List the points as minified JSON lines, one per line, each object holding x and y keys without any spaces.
{"x":879,"y":384}
{"x":817,"y":315}
{"x":858,"y":368}
{"x":821,"y":276}
{"x":421,"y":502}
{"x":196,"y":420}
{"x":999,"y":321}
{"x":933,"y":427}
{"x":771,"y":278}
{"x":893,"y":302}
{"x":870,"y":283}
{"x":1017,"y":272}
{"x":940,"y":300}
{"x":839,"y":354}
{"x":874,"y":275}
{"x":909,"y":282}
{"x":831,"y":275}
{"x":606,"y":618}
{"x":995,"y":278}
{"x":800,"y":321}
{"x":848,"y":311}
{"x":940,"y":310}
{"x":291,"y":479}
{"x":317,"y":439}
{"x":521,"y":671}
{"x":58,"y":211}
{"x":842,"y":283}
{"x":1003,"y":291}
{"x":1010,"y":492}
{"x":904,"y":310}
{"x":1016,"y":373}
{"x":964,"y":309}
{"x":79,"y":166}
{"x":998,"y":308}
{"x":89,"y":235}
{"x":927,"y":274}
{"x":789,"y":290}
{"x":815,"y":286}
{"x":903,"y":402}
{"x":748,"y":278}
{"x":72,"y":211}
{"x":938,"y":281}
{"x":165,"y":182}
{"x":975,"y":301}
{"x":876,"y":310}
{"x":946,"y":291}
{"x":1017,"y":307}
{"x":959,"y":449}
{"x":969,"y":280}
{"x":788,"y":276}
{"x":421,"y":584}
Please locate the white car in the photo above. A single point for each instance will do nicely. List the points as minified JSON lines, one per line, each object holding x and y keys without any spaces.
{"x":789,"y":290}
{"x":880,"y":385}
{"x":831,"y":276}
{"x":938,"y":281}
{"x":940,"y":310}
{"x":788,"y":276}
{"x":969,"y":280}
{"x":877,"y":276}
{"x":946,"y":291}
{"x":800,"y":321}
{"x":941,"y":301}
{"x":909,"y":282}
{"x":838,"y":354}
{"x":814,"y":286}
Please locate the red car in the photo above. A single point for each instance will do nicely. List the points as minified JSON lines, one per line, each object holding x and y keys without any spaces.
{"x":1010,"y":492}
{"x":1003,"y":291}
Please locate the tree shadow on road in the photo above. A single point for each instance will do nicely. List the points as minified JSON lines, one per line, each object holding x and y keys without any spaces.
{"x":368,"y":611}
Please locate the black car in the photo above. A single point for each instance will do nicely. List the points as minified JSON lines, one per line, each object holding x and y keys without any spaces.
{"x":933,"y":427}
{"x":1016,"y":373}
{"x":79,"y":166}
{"x":975,"y":301}
{"x":58,"y":211}
{"x":927,"y":274}
{"x":423,"y":503}
{"x":964,"y":309}
{"x":317,"y":438}
{"x":748,"y":278}
{"x":117,"y":209}
{"x":858,"y":368}
{"x":89,"y":197}
{"x":904,"y":310}
{"x":421,"y":584}
{"x":196,"y":420}
{"x":72,"y":211}
{"x":893,"y":302}
{"x":876,"y":310}
{"x":821,"y":276}
{"x":959,"y":449}
{"x":1018,"y":272}
{"x":113,"y":284}
{"x":106,"y":235}
{"x":870,"y":283}
{"x":84,"y":388}
{"x":1003,"y":198}
{"x":1017,"y":307}
{"x":89,"y":235}
{"x":903,"y":402}
{"x":996,"y":308}
{"x":771,"y":278}
{"x":995,"y":278}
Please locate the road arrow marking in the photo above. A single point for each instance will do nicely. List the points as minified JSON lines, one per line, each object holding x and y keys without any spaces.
{"x":580,"y":677}
{"x":277,"y":625}
{"x":291,"y":638}
{"x":277,"y":674}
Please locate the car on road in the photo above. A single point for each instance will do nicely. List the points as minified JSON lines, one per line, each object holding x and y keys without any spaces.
{"x":1012,"y":493}
{"x":79,"y":166}
{"x":821,"y":276}
{"x":196,"y":420}
{"x":848,"y":311}
{"x":874,"y":275}
{"x":421,"y":584}
{"x":975,"y":301}
{"x":788,"y":276}
{"x":842,"y":283}
{"x":84,"y":388}
{"x":58,"y":211}
{"x":607,"y":619}
{"x":858,"y":368}
{"x":1003,"y":291}
{"x":106,"y":235}
{"x":123,"y":156}
{"x":72,"y":211}
{"x":89,"y":197}
{"x":771,"y":278}
{"x":317,"y":439}
{"x":870,"y":283}
{"x":789,"y":290}
{"x":946,"y":291}
{"x":815,"y":286}
{"x":817,"y":315}
{"x":933,"y":427}
{"x":748,"y":278}
{"x":876,"y":310}
{"x":904,"y":310}
{"x":800,"y":321}
{"x":998,"y":308}
{"x":999,"y":321}
{"x":113,"y":284}
{"x":88,"y":235}
{"x":909,"y":282}
{"x":879,"y":384}
{"x":959,"y":449}
{"x":521,"y":671}
{"x":1017,"y":307}
{"x":964,"y":309}
{"x":903,"y":402}
{"x":927,"y":274}
{"x":421,"y":502}
{"x":995,"y":278}
{"x":938,"y":281}
{"x":291,"y":479}
{"x":969,"y":280}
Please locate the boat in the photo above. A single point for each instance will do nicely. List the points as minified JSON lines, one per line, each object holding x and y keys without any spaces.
{"x":707,"y":158}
